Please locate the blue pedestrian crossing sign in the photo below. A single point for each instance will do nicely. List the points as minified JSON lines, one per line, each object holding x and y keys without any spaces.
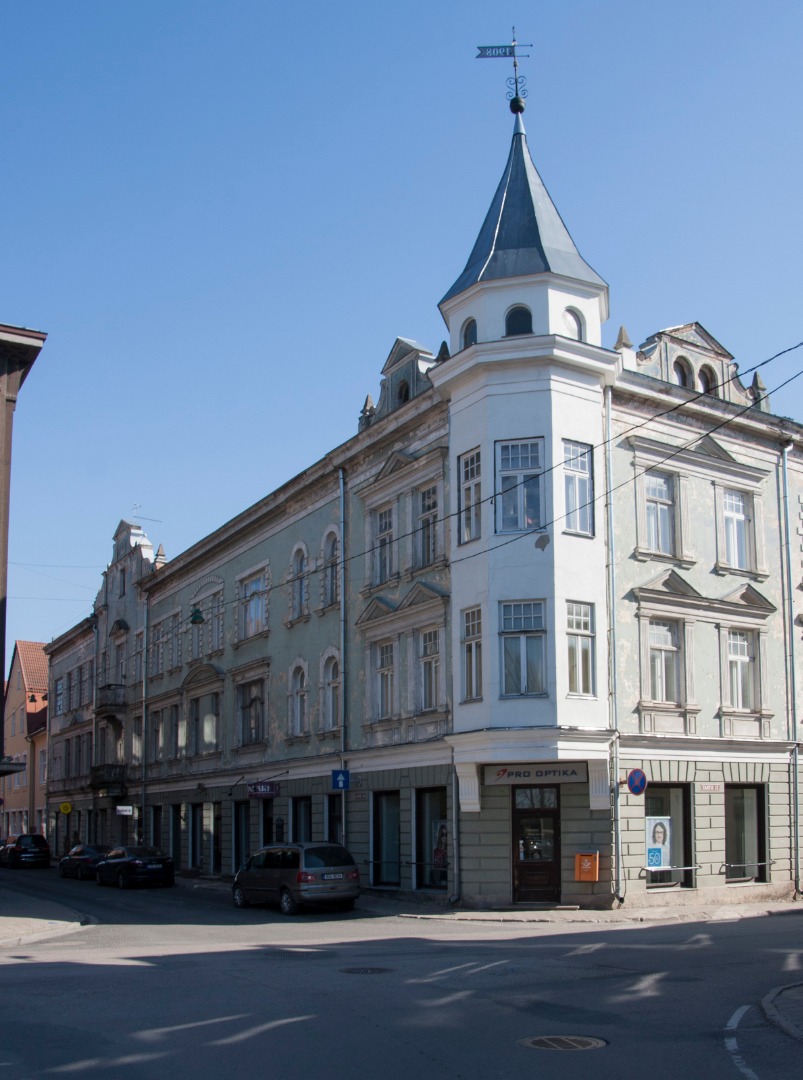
{"x":340,"y":779}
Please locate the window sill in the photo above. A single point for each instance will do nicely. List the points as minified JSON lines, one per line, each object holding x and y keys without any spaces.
{"x":579,"y":533}
{"x":305,"y":737}
{"x":290,"y":623}
{"x":246,"y":640}
{"x":470,"y":700}
{"x":377,"y":586}
{"x":685,"y":562}
{"x":327,"y":608}
{"x":724,"y":569}
{"x":330,"y":733}
{"x":244,"y":748}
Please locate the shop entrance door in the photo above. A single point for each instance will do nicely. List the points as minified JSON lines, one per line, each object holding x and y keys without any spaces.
{"x":536,"y":845}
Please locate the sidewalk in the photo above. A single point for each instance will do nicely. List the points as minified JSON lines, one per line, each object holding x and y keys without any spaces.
{"x":26,"y":919}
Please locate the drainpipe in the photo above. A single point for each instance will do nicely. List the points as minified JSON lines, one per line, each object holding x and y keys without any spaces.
{"x":341,"y":585}
{"x":792,"y":715}
{"x":144,"y":748}
{"x":613,"y":701}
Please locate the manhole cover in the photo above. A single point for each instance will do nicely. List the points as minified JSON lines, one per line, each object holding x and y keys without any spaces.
{"x":562,"y":1042}
{"x":365,"y":971}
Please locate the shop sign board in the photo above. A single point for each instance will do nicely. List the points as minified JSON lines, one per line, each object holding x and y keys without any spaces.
{"x":547,"y":772}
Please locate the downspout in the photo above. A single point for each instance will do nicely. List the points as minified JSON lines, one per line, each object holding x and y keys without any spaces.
{"x":613,"y":701}
{"x":341,"y":585}
{"x":792,"y":715}
{"x":144,"y":748}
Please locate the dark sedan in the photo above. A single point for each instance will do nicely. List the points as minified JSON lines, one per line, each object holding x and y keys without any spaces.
{"x":27,"y":849}
{"x":127,"y":866}
{"x":82,"y":860}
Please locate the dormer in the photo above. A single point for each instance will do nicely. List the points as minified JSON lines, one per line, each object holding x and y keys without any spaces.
{"x":524,"y":275}
{"x":404,"y":377}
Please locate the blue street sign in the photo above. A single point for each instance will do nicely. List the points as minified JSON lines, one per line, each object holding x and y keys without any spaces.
{"x":340,"y":779}
{"x":637,"y":782}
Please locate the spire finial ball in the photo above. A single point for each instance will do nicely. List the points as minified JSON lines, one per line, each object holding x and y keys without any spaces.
{"x":517,"y":104}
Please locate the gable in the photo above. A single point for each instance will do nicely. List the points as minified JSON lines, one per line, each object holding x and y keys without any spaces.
{"x":377,"y":608}
{"x":696,"y":336}
{"x":671,"y":583}
{"x":421,"y":594}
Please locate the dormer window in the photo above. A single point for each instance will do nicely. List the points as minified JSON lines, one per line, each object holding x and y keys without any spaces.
{"x":403,"y":392}
{"x":519,"y":320}
{"x":470,"y":333}
{"x":681,"y":372}
{"x":708,"y":383}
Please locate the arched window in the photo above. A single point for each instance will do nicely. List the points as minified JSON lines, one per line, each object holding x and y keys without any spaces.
{"x":681,"y":372}
{"x":470,"y":333}
{"x":298,"y":584}
{"x":403,"y":392}
{"x":519,"y":320}
{"x":573,"y":324}
{"x":708,"y":383}
{"x":331,"y":694}
{"x":330,"y":570}
{"x":298,"y":702}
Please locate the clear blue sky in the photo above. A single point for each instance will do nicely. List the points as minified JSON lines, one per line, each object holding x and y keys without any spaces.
{"x":223,"y":212}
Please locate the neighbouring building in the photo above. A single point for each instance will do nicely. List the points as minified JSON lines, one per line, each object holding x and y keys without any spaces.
{"x":19,"y":349}
{"x":542,"y":575}
{"x":25,"y":730}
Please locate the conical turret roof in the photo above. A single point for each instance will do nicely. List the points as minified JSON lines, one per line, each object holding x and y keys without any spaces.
{"x":523,"y":233}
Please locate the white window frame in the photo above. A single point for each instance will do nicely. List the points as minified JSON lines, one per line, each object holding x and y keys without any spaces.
{"x":330,"y":560}
{"x":250,"y":703}
{"x":660,"y":505}
{"x":578,"y":477}
{"x":519,"y":480}
{"x":385,"y":679}
{"x":299,"y":567}
{"x":471,"y":634}
{"x":522,"y":633}
{"x":429,"y":646}
{"x":427,"y":506}
{"x":252,"y":603}
{"x":330,"y":692}
{"x":470,"y":473}
{"x":580,"y":640}
{"x":298,"y":713}
{"x":385,"y":543}
{"x":742,"y":670}
{"x":665,"y":659}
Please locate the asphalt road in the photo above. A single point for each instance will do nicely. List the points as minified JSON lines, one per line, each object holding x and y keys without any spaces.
{"x":179,"y":983}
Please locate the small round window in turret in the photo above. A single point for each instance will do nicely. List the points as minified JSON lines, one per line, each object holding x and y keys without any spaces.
{"x":519,"y":320}
{"x":470,"y":333}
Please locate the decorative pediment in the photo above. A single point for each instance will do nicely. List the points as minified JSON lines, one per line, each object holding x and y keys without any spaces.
{"x":696,"y":335}
{"x":712,"y":448}
{"x":377,"y":608}
{"x":211,"y":583}
{"x":204,"y":673}
{"x":397,"y":460}
{"x":421,"y":594}
{"x":671,"y":583}
{"x":748,"y":597}
{"x":402,"y":349}
{"x":119,"y":626}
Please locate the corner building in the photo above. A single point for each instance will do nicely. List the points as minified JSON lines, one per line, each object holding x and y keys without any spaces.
{"x":540,"y":572}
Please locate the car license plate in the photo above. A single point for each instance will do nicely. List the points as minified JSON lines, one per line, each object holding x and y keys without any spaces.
{"x":332,"y":877}
{"x":153,"y":866}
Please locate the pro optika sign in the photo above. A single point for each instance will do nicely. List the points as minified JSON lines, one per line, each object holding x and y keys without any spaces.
{"x":569,"y":772}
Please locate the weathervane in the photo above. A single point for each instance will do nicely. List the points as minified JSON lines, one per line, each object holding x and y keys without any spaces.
{"x":516,"y":91}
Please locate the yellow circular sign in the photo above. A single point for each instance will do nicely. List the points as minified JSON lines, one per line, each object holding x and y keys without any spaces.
{"x":66,"y":808}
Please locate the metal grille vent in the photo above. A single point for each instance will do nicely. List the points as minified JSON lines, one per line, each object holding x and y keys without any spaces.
{"x":562,"y":1042}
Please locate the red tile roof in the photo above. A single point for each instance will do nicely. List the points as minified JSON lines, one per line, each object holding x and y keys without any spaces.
{"x":34,"y":665}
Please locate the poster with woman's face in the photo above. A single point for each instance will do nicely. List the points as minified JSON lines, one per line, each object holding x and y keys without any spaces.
{"x":658,"y":838}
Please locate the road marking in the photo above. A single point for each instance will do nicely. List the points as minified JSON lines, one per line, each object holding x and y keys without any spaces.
{"x":733,"y":1047}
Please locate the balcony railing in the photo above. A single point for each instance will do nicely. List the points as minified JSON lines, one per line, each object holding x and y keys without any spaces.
{"x":110,"y":698}
{"x":110,"y":778}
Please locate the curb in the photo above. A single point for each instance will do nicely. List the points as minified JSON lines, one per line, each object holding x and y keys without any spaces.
{"x":776,"y":1017}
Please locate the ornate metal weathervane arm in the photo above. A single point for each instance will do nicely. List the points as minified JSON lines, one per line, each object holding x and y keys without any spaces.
{"x":516,"y":84}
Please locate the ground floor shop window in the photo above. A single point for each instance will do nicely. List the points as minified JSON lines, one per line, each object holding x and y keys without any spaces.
{"x":386,"y":863}
{"x":667,"y":836}
{"x":242,"y":832}
{"x":197,"y":836}
{"x":155,"y":838}
{"x":431,"y":839}
{"x":175,"y":833}
{"x":745,"y":833}
{"x":334,"y":819}
{"x":267,"y":821}
{"x":302,"y":818}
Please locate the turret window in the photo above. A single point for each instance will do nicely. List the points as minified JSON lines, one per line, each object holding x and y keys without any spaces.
{"x":573,"y":325}
{"x":519,"y":320}
{"x":708,"y":383}
{"x":681,"y":373}
{"x":470,"y":333}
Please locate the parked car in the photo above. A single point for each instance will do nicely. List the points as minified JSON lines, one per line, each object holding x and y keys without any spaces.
{"x":82,"y":860}
{"x":27,"y":849}
{"x":127,"y":866}
{"x":291,"y":875}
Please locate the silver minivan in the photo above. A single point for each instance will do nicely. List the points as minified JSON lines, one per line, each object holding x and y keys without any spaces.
{"x":294,"y":874}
